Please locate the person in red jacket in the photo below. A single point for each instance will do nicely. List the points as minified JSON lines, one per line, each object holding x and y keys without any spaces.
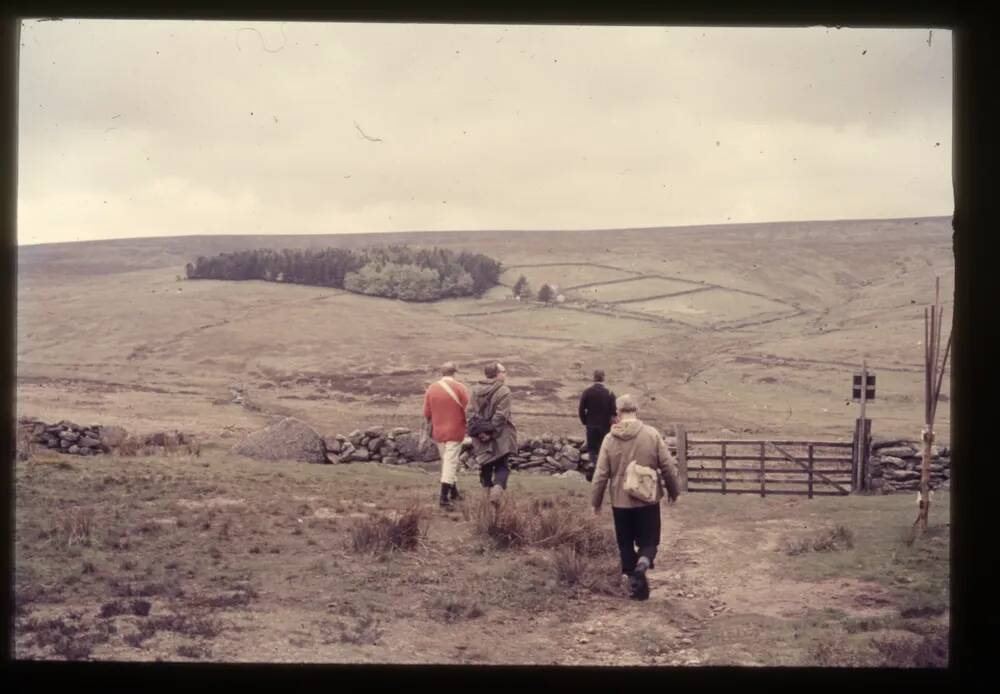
{"x":444,"y":407}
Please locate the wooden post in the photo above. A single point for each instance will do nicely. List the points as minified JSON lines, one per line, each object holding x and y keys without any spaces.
{"x":866,"y":450}
{"x":810,"y":471}
{"x":856,"y":456}
{"x":762,"y":471}
{"x":932,"y":391}
{"x":723,"y":467}
{"x":682,"y":457}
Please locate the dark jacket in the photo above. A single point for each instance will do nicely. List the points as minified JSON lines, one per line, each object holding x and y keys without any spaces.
{"x":491,"y":400}
{"x":597,"y":406}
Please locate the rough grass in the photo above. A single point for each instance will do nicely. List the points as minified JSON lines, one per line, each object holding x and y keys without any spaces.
{"x":208,"y":596}
{"x":451,"y":609}
{"x":381,"y":533}
{"x":828,"y":540}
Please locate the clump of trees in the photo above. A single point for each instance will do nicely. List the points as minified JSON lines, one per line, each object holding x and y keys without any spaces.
{"x":396,"y":271}
{"x":521,"y":288}
{"x":546,"y":293}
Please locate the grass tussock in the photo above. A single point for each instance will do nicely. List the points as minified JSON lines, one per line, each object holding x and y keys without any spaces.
{"x":893,"y":649}
{"x":833,"y":539}
{"x":504,"y":525}
{"x":451,"y":610}
{"x":544,"y":524}
{"x":378,"y":534}
{"x":581,"y":553}
{"x":366,"y":631}
{"x":77,"y":526}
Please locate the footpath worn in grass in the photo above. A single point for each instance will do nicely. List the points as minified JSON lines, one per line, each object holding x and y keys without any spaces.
{"x":225,"y":559}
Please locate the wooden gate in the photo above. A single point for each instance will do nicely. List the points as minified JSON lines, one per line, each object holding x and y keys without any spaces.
{"x":742,"y":466}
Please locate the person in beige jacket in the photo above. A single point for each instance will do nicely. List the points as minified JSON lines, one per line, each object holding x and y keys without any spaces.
{"x":637,"y":523}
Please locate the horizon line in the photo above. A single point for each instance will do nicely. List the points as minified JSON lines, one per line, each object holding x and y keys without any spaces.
{"x":491,"y":230}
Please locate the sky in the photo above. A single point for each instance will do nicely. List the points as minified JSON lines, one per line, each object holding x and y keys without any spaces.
{"x":164,"y":128}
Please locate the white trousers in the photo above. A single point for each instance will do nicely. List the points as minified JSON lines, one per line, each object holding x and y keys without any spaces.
{"x":449,"y":452}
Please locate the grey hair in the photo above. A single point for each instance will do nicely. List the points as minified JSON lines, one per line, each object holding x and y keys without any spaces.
{"x":626,"y":403}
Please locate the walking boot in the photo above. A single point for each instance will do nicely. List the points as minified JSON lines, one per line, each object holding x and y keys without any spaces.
{"x":455,"y":496}
{"x":445,"y":502}
{"x":638,"y":585}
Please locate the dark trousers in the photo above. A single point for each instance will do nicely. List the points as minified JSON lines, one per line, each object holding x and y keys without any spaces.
{"x":595,"y":437}
{"x":637,"y":527}
{"x":498,"y":469}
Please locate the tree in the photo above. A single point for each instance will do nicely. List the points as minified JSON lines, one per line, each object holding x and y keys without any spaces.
{"x":396,"y":271}
{"x":521,"y":287}
{"x":546,"y":294}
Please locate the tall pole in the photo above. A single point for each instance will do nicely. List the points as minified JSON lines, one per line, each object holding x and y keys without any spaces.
{"x":932,"y":390}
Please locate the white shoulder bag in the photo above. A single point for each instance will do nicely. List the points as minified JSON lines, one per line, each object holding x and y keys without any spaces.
{"x":641,"y":482}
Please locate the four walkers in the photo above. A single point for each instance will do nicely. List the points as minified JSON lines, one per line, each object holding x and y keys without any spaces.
{"x":628,"y":459}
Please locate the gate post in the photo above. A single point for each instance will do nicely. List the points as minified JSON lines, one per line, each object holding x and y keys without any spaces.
{"x":682,"y":457}
{"x":861,"y":474}
{"x":866,"y":452}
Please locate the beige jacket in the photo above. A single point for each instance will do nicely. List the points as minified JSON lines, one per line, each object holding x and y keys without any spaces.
{"x":617,"y":450}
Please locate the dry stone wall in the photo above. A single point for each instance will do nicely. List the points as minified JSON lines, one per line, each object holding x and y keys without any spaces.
{"x":68,"y":437}
{"x":896,"y":466}
{"x":545,"y":454}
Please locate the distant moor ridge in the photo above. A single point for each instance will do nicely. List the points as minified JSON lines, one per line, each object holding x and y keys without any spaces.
{"x":395,"y":272}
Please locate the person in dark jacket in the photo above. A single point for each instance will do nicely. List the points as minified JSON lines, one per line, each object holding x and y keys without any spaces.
{"x":597,"y":410}
{"x":490,"y":401}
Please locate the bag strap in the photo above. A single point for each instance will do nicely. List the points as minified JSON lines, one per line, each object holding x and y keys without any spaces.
{"x":449,"y":391}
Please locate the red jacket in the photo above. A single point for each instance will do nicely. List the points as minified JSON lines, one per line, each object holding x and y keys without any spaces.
{"x":447,"y":416}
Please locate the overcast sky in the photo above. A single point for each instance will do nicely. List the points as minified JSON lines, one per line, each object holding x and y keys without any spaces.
{"x":163,"y":128}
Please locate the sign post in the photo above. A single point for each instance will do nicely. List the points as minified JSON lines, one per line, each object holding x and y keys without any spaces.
{"x":863,"y":391}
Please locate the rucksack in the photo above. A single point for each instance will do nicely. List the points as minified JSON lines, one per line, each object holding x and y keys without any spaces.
{"x":479,"y":427}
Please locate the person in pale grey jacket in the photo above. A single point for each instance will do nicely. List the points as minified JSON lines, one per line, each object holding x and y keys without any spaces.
{"x":637,"y":523}
{"x":490,"y":405}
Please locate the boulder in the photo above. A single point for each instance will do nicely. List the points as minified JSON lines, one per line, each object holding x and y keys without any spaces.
{"x":585,"y":456}
{"x":346,"y":449}
{"x":289,"y":439}
{"x":568,"y":464}
{"x":572,"y":474}
{"x":64,"y":444}
{"x":539,"y":451}
{"x":355,"y":437}
{"x":89,"y":442}
{"x":69,"y":436}
{"x":390,"y":460}
{"x":577,"y":440}
{"x":408,"y":446}
{"x":361,"y":455}
{"x":335,"y":446}
{"x":399,"y":431}
{"x":74,"y":449}
{"x":86,"y":451}
{"x":375,"y":443}
{"x":375,"y":431}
